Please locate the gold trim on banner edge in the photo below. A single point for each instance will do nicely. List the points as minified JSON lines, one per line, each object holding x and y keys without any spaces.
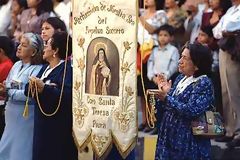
{"x":104,"y":155}
{"x":133,"y":143}
{"x":82,"y":146}
{"x":130,"y":147}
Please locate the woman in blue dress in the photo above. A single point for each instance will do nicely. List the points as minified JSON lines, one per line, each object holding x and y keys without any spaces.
{"x":17,"y":139}
{"x":53,"y":138}
{"x":189,"y":97}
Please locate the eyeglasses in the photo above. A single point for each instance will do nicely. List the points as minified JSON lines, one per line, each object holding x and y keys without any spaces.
{"x":185,"y":58}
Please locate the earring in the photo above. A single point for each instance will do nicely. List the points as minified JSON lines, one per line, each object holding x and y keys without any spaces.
{"x":54,"y":55}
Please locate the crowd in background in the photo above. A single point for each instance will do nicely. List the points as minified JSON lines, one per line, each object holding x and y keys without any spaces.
{"x":163,"y":30}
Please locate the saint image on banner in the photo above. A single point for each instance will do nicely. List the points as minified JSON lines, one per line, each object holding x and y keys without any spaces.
{"x":100,"y":69}
{"x":100,"y":74}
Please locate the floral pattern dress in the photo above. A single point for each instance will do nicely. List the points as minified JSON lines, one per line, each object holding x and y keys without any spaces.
{"x":175,"y":138}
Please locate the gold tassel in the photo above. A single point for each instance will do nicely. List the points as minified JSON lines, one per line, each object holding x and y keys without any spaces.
{"x":26,"y":111}
{"x":26,"y":108}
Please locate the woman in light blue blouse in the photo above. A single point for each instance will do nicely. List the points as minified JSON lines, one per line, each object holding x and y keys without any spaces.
{"x":17,"y":139}
{"x":189,"y":97}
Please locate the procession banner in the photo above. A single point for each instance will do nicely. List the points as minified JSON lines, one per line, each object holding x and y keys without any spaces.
{"x":104,"y":75}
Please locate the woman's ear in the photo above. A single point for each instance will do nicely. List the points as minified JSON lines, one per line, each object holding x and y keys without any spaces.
{"x":34,"y":52}
{"x":56,"y":51}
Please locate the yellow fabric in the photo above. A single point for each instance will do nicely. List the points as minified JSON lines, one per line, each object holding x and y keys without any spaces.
{"x":146,"y":49}
{"x":149,"y":147}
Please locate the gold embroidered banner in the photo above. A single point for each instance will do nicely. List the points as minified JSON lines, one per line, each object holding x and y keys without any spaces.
{"x":104,"y":79}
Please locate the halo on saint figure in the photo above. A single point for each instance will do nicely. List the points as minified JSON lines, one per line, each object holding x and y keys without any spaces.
{"x":107,"y":76}
{"x":99,"y":45}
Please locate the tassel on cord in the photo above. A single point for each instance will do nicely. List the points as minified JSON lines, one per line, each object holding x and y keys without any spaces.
{"x":26,"y":108}
{"x":26,"y":111}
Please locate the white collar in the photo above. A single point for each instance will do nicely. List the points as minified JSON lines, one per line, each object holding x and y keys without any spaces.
{"x":184,"y":83}
{"x":48,"y":70}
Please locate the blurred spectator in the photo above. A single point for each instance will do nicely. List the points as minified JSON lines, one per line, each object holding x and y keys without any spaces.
{"x":227,"y":30}
{"x":163,"y":60}
{"x":188,"y":3}
{"x":50,"y":26}
{"x":150,"y":19}
{"x":218,"y":9}
{"x":17,"y":7}
{"x":5,"y":12}
{"x":212,"y":17}
{"x":176,"y":17}
{"x":205,"y":37}
{"x":193,"y":22}
{"x":6,"y":48}
{"x":32,"y":18}
{"x":62,"y":11}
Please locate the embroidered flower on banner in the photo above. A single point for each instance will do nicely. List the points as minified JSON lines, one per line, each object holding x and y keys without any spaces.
{"x":80,"y":113}
{"x":100,"y":141}
{"x":122,"y":114}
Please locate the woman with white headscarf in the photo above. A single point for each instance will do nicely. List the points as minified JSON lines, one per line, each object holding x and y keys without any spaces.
{"x":17,"y":139}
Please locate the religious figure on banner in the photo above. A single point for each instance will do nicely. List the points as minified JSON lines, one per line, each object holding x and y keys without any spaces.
{"x":101,"y":73}
{"x":102,"y":76}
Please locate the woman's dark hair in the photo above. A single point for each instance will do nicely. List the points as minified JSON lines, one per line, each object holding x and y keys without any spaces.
{"x":56,"y":23}
{"x":22,"y":3}
{"x":2,"y":2}
{"x":105,"y":58}
{"x":159,"y":4}
{"x":207,"y":30}
{"x":201,"y":57}
{"x":7,"y":45}
{"x":44,"y":6}
{"x":225,"y":5}
{"x":180,"y":2}
{"x":59,"y":41}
